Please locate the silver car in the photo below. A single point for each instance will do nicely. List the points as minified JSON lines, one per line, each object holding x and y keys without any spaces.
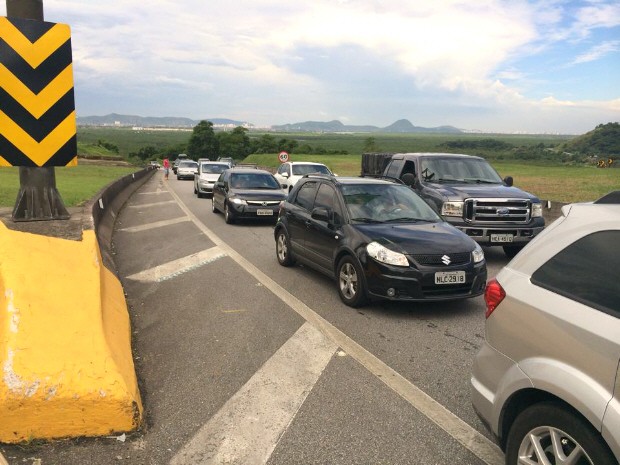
{"x":187,"y":169}
{"x":546,"y":379}
{"x":208,"y":172}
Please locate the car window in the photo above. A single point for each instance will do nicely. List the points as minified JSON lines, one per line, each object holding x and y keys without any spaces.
{"x":386,"y":202}
{"x":305,"y":195}
{"x":283,"y":168}
{"x":586,"y":271}
{"x":253,"y":181}
{"x":213,"y":168}
{"x":300,"y":170}
{"x":394,"y":169}
{"x":326,"y":197}
{"x":458,"y":170}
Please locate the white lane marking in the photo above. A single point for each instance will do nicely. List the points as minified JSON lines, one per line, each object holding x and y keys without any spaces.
{"x":470,"y":438}
{"x":176,"y":267}
{"x":248,"y":427}
{"x":158,"y":191}
{"x":3,"y":460}
{"x":155,"y":204}
{"x":156,"y":224}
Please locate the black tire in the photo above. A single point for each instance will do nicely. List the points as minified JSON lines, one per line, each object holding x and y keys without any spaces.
{"x":512,"y":250}
{"x":539,"y":421}
{"x":229,"y":216}
{"x":351,"y":286}
{"x":284,"y":253}
{"x":213,"y":207}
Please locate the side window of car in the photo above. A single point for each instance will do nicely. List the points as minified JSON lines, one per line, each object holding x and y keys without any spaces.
{"x":394,"y":169}
{"x":305,"y":195}
{"x":282,"y":169}
{"x":326,"y":198}
{"x":593,"y":262}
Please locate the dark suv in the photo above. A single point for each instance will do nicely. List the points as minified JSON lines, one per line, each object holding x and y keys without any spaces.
{"x":379,"y":239}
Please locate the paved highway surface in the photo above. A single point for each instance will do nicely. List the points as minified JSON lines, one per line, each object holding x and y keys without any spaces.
{"x":242,"y":361}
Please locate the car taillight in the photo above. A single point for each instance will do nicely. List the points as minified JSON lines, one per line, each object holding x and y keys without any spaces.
{"x":493,"y":295}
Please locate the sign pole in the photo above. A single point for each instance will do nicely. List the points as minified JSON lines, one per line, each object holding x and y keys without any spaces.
{"x":38,"y":199}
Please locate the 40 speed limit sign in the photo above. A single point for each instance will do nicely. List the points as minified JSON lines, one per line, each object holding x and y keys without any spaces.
{"x":283,"y":156}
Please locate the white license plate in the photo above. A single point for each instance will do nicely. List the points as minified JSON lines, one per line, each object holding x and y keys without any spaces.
{"x":449,"y":277}
{"x":264,"y":212}
{"x":501,"y":237}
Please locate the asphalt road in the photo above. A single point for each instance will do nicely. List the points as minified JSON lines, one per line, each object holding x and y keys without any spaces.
{"x":242,"y":361}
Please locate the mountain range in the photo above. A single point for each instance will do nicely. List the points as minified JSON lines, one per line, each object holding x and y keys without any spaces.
{"x":335,"y":126}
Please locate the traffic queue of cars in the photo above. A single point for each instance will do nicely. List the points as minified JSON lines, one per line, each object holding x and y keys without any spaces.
{"x":546,"y":381}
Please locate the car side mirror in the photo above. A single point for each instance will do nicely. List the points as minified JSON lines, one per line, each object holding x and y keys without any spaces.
{"x":508,"y":181}
{"x":285,"y":175}
{"x":321,"y":214}
{"x":284,"y":186}
{"x":409,"y":179}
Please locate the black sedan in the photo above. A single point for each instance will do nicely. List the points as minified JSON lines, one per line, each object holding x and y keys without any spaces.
{"x":247,"y":193}
{"x":379,"y":240}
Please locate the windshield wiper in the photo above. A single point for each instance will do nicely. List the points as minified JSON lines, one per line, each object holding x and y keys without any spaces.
{"x":366,"y":220}
{"x":407,"y":219}
{"x":481,"y":181}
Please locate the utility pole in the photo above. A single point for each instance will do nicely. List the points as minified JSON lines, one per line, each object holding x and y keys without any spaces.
{"x":38,"y":199}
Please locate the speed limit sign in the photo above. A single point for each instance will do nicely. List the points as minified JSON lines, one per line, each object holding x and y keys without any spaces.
{"x":283,"y":156}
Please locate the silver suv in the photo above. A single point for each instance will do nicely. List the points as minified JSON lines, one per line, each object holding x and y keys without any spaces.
{"x":546,"y":381}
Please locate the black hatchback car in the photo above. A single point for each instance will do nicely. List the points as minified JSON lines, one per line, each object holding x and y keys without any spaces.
{"x":378,"y":239}
{"x":247,"y":193}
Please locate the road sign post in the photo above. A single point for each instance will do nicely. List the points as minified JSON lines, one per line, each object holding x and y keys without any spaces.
{"x":38,"y":198}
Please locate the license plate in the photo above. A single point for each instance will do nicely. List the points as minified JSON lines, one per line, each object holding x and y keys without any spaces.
{"x":264,"y":212}
{"x":501,"y":237}
{"x":449,"y":277}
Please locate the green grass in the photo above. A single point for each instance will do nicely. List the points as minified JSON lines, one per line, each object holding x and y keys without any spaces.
{"x":76,"y":184}
{"x":563,"y":184}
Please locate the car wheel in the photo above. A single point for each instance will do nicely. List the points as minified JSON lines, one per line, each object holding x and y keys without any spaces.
{"x":229,"y":216}
{"x":351,"y":282}
{"x":283,"y":249}
{"x":512,"y":250}
{"x":549,"y":433}
{"x":213,"y":207}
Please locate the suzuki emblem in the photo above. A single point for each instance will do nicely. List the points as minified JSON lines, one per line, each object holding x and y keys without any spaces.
{"x":445,"y":260}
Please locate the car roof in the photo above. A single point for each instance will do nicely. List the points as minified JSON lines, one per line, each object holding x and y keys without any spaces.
{"x":434,"y":154}
{"x":247,"y":170}
{"x":352,"y":179}
{"x":305,"y":163}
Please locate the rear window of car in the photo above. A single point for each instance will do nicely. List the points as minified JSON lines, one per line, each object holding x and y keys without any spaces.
{"x":586,"y":271}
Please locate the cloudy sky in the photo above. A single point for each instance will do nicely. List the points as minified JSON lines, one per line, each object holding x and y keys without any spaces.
{"x":537,"y":66}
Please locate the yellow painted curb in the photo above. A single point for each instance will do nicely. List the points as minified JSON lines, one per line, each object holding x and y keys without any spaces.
{"x":65,"y":341}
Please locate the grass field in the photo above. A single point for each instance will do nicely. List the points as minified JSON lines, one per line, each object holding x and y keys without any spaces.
{"x":548,"y":181}
{"x":75,"y":184}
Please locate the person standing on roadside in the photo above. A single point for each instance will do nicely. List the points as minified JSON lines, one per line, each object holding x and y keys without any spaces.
{"x":166,"y":168}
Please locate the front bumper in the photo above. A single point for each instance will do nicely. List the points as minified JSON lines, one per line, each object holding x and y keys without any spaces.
{"x":205,"y":187}
{"x":418,"y":284}
{"x":264,"y":212}
{"x":481,"y":233}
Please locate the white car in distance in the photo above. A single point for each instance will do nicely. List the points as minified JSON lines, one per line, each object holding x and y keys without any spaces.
{"x":290,"y":172}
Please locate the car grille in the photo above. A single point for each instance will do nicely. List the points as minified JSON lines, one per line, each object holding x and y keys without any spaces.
{"x":439,"y":260}
{"x":497,"y":211}
{"x":263,"y":203}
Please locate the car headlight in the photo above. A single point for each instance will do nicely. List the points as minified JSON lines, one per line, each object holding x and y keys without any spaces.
{"x":477,"y":254}
{"x":237,"y":201}
{"x":537,"y":210}
{"x":452,"y":209}
{"x":385,"y":255}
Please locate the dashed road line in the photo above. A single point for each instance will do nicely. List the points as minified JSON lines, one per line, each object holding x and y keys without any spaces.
{"x":156,"y":224}
{"x":462,"y":432}
{"x":248,"y":427}
{"x":177,"y":267}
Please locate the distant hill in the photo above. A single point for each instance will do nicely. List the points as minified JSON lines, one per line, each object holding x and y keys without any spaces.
{"x":335,"y":126}
{"x":400,"y":126}
{"x":604,"y":140}
{"x":114,"y":119}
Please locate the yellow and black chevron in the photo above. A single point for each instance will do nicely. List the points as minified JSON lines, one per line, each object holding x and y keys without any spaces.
{"x":37,"y":104}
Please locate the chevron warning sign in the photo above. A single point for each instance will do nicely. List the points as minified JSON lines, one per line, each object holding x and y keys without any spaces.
{"x":37,"y":106}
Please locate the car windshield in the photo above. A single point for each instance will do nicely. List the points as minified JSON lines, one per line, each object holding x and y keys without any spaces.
{"x":300,"y":170}
{"x":213,"y":168}
{"x":253,"y":181}
{"x":453,"y":170}
{"x":188,"y":164}
{"x":380,"y":203}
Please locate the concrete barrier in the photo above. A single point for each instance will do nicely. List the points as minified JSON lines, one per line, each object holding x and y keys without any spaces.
{"x":65,"y":337}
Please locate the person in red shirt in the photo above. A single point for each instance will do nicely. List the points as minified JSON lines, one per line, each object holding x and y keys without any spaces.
{"x":166,"y":168}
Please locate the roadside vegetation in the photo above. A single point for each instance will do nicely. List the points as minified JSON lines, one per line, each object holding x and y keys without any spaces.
{"x":561,"y":168}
